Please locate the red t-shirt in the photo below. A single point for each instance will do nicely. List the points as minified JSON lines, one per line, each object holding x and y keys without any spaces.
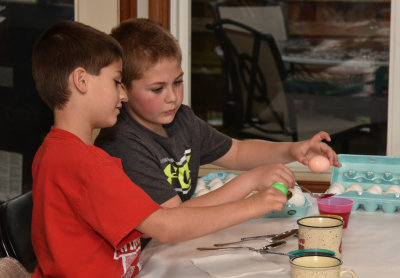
{"x":85,"y":211}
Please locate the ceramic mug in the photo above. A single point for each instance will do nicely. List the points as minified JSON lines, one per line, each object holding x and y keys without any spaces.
{"x":318,"y":267}
{"x":321,"y":231}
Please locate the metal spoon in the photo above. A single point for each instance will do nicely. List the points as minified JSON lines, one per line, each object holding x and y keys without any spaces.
{"x":272,"y":238}
{"x":302,"y":252}
{"x":265,"y":248}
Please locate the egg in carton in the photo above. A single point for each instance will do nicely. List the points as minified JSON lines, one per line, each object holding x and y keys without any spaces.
{"x":372,"y":182}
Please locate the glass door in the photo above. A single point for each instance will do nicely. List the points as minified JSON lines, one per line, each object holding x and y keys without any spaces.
{"x":336,"y":56}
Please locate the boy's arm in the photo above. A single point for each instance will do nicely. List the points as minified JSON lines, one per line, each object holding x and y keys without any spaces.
{"x":184,"y":223}
{"x":247,"y":154}
{"x":238,"y":188}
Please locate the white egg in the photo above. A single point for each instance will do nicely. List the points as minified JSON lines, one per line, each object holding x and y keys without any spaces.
{"x":215,"y":184}
{"x":214,"y":181}
{"x":202,"y":192}
{"x":375,"y":189}
{"x":297,"y":199}
{"x":201,"y":184}
{"x":393,"y":189}
{"x":390,"y":191}
{"x":296,"y":189}
{"x":229,"y":177}
{"x":354,"y":187}
{"x":334,"y":190}
{"x":338,"y":187}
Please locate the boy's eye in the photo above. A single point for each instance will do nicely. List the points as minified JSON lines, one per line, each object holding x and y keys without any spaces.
{"x":178,"y":82}
{"x":157,"y":90}
{"x":117,"y":82}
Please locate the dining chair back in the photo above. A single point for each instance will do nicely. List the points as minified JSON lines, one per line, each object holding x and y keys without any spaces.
{"x":15,"y":229}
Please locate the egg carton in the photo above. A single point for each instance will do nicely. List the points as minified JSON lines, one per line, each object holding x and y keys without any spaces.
{"x":210,"y":182}
{"x":380,"y":172}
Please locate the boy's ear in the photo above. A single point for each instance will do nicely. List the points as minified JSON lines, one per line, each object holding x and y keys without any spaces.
{"x":80,"y":78}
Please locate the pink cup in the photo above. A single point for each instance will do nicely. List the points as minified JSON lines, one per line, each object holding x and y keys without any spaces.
{"x":336,"y":206}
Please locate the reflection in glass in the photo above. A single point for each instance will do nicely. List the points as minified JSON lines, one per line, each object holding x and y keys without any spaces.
{"x":336,"y":57}
{"x":24,"y":118}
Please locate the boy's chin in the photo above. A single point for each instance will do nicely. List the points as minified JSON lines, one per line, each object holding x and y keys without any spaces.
{"x":168,"y":120}
{"x":110,"y":123}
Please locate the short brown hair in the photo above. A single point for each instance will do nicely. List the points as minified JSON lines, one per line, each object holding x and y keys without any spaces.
{"x":61,"y":49}
{"x":145,"y":43}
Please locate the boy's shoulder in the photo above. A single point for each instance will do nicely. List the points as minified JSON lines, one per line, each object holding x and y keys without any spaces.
{"x":61,"y":145}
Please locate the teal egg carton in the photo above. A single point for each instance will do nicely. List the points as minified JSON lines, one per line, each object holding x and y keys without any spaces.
{"x":290,"y":209}
{"x":366,"y":171}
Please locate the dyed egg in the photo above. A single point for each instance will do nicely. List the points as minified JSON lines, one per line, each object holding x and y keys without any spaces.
{"x":318,"y":164}
{"x":375,"y":189}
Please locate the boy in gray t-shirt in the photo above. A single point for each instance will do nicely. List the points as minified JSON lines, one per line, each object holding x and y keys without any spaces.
{"x":162,"y":143}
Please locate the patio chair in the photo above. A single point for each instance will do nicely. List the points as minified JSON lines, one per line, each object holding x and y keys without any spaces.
{"x":256,"y":75}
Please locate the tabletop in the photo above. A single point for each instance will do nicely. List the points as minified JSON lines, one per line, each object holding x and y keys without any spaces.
{"x":370,"y":246}
{"x":333,"y":52}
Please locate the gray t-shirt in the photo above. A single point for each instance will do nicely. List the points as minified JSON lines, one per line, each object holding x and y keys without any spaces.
{"x":164,"y":167}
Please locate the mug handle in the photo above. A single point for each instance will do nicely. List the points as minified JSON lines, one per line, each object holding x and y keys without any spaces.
{"x":349,"y":271}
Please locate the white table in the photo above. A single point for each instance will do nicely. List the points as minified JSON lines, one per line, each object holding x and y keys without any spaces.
{"x":371,"y":246}
{"x":353,"y":63}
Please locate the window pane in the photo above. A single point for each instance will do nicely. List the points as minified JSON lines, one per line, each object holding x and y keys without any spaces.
{"x":335,"y":56}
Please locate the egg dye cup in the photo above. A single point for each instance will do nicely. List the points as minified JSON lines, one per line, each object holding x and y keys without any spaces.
{"x":337,"y":206}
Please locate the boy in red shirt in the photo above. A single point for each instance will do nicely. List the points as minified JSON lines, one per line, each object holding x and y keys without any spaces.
{"x":88,"y":216}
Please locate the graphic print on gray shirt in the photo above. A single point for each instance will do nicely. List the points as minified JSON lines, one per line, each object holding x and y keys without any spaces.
{"x":164,"y":166}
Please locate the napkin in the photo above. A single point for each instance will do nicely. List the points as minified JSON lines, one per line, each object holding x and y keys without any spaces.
{"x":236,"y":265}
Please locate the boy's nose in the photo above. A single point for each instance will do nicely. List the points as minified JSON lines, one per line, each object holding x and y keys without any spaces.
{"x":172,"y":95}
{"x":123,"y":94}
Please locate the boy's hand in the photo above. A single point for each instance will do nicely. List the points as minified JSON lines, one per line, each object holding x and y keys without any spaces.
{"x":265,"y":176}
{"x":303,"y":151}
{"x":268,"y":200}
